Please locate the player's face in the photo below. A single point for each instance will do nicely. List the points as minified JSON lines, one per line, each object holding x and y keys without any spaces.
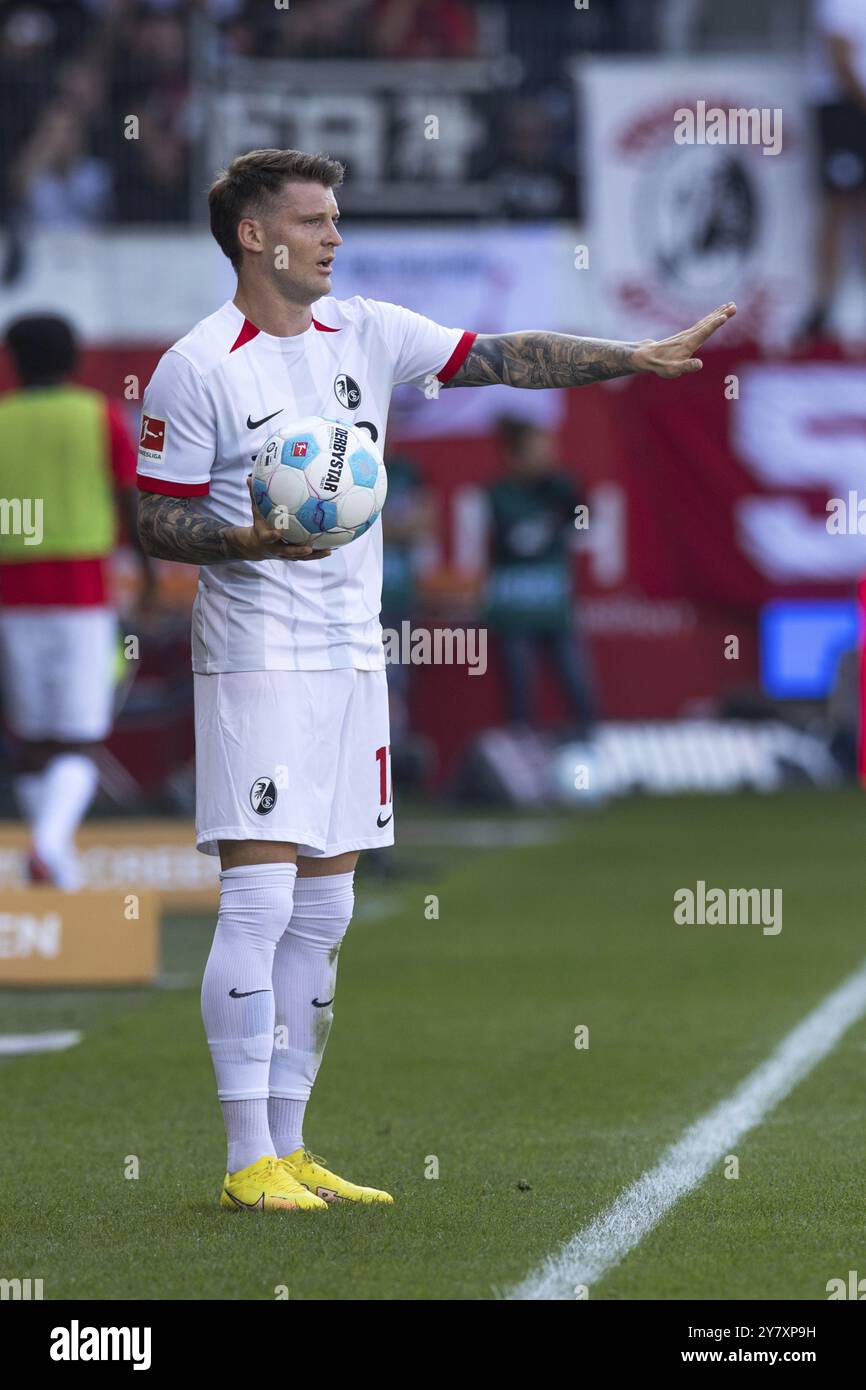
{"x":304,"y":221}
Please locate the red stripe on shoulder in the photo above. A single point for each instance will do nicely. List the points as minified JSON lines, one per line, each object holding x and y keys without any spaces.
{"x":247,"y":333}
{"x":323,"y":327}
{"x":457,"y":358}
{"x":168,"y":488}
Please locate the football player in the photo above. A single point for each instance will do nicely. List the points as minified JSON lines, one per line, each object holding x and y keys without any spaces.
{"x":291,"y":703}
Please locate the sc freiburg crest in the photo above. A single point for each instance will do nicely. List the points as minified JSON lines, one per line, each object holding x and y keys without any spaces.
{"x":263,"y":796}
{"x":347,"y":391}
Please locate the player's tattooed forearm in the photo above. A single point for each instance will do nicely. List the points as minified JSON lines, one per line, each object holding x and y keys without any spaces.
{"x":175,"y":528}
{"x":538,"y":359}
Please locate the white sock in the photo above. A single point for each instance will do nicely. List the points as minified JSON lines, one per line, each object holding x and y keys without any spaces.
{"x":286,"y":1121}
{"x":247,"y":1132}
{"x":305,"y":970}
{"x":237,"y":1000}
{"x":67,"y":788}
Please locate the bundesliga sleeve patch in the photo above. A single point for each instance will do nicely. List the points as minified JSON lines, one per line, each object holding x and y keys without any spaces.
{"x":151,"y":445}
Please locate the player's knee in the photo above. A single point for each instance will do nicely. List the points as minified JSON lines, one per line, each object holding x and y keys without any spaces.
{"x":256,"y":904}
{"x":323,"y":909}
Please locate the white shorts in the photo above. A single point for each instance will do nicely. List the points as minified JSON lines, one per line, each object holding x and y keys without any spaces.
{"x":57,"y":671}
{"x":299,"y":756}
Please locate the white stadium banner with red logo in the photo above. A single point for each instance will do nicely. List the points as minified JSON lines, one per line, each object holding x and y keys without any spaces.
{"x":700,"y":188}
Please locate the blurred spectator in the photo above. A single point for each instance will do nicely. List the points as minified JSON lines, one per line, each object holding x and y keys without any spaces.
{"x":546,"y":38}
{"x":317,"y":29}
{"x":82,"y":83}
{"x":529,"y":178}
{"x":150,"y":82}
{"x":357,"y":28}
{"x":55,"y":27}
{"x":29,"y":42}
{"x":153,"y":179}
{"x":423,"y":29}
{"x":843,"y":712}
{"x":150,"y":56}
{"x":530,"y":601}
{"x":55,"y":181}
{"x":837,"y":83}
{"x":407,"y":520}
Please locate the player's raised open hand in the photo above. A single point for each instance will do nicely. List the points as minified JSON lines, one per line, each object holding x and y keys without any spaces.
{"x":264,"y":542}
{"x":673,"y":357}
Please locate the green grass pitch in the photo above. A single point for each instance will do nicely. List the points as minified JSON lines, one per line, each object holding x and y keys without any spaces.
{"x":454,"y":1045}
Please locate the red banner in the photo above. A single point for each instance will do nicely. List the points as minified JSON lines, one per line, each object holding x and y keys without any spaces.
{"x":708,"y":496}
{"x":740,"y":480}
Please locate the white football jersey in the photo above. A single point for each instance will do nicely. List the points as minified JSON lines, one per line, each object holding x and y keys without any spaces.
{"x":214,"y":399}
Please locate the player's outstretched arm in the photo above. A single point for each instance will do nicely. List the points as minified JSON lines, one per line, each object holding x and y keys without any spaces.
{"x":177,"y":528}
{"x":535,"y":359}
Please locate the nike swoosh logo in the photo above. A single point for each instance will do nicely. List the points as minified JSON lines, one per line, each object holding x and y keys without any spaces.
{"x":245,"y":994}
{"x":382,"y":823}
{"x":254,"y":424}
{"x":259,"y":1204}
{"x":322,"y":1003}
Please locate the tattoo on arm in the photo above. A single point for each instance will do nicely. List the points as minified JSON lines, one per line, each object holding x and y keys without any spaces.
{"x":176,"y":528}
{"x":537,"y":359}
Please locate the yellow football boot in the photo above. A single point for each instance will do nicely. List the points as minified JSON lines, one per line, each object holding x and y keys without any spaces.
{"x":308,"y":1170}
{"x":267,"y":1186}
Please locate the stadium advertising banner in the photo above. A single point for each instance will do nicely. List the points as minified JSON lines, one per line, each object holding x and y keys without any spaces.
{"x":157,"y":856}
{"x":49,"y":937}
{"x":412,"y":132}
{"x":707,"y":499}
{"x":741,"y":500}
{"x":487,"y":281}
{"x":699,"y":189}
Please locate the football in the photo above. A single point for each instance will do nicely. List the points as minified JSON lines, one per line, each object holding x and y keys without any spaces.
{"x":321,"y":482}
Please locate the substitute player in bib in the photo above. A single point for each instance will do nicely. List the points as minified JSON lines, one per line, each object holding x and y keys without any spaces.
{"x":291,"y":707}
{"x":58,"y":630}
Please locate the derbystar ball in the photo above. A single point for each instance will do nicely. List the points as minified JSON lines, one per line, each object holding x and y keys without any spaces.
{"x":321,"y":482}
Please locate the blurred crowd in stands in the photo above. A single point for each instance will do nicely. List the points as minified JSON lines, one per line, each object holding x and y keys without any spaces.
{"x":73,"y":71}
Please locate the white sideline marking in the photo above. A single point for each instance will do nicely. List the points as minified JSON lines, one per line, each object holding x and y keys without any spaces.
{"x":592,"y":1252}
{"x":24,"y":1044}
